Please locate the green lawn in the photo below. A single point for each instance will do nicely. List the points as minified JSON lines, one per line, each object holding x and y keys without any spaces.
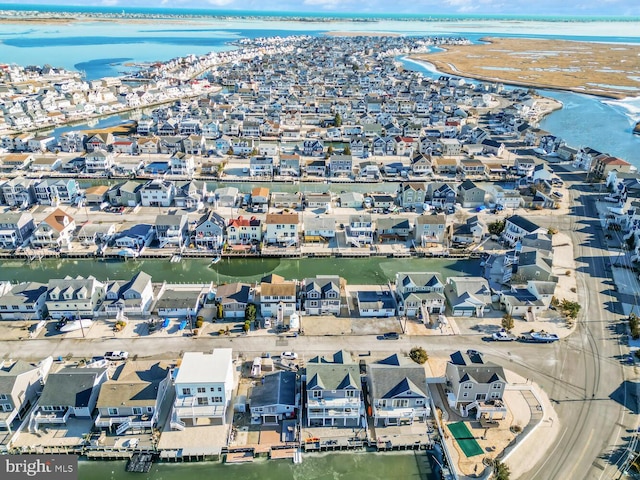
{"x":464,"y":438}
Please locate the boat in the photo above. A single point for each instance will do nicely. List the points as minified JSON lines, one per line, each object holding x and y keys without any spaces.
{"x":216,"y":260}
{"x":544,"y":337}
{"x":636,"y":129}
{"x":128,"y":253}
{"x":74,"y":325}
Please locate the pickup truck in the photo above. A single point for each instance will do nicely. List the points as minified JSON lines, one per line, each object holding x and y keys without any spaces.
{"x":503,"y":336}
{"x":117,"y":355}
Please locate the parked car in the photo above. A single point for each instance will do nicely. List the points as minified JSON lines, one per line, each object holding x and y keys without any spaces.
{"x":289,"y":356}
{"x":116,"y":355}
{"x":391,"y":336}
{"x":503,"y":336}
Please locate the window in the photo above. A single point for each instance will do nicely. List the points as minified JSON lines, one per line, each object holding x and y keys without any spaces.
{"x":212,"y":389}
{"x":7,"y":407}
{"x":419,"y":401}
{"x":149,"y":409}
{"x":350,"y":393}
{"x":203,"y":401}
{"x":137,"y":410}
{"x":495,"y":395}
{"x":216,"y":399}
{"x":219,"y":389}
{"x":113,"y":411}
{"x":465,"y":394}
{"x":401,"y":402}
{"x":468,"y":386}
{"x":317,"y":394}
{"x":201,"y":390}
{"x":3,"y":396}
{"x":186,"y":391}
{"x":496,"y":385}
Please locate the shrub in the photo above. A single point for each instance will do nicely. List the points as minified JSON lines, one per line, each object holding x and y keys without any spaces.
{"x":199,"y":322}
{"x":507,"y":322}
{"x":634,"y":326}
{"x":500,"y":470}
{"x":418,"y":355}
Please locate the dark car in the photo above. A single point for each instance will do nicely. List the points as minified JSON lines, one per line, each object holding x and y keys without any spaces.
{"x":391,"y":336}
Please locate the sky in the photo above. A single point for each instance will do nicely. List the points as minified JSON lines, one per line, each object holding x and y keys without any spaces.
{"x":475,"y":7}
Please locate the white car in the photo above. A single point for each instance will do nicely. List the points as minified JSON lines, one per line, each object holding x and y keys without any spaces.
{"x":503,"y":336}
{"x":116,"y":355}
{"x":289,"y":356}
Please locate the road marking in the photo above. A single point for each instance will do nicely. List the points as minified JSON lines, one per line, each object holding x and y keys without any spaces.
{"x":577,"y":463}
{"x":551,"y":454}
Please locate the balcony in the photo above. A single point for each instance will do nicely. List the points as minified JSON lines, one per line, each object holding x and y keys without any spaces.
{"x":45,"y":416}
{"x":402,"y":412}
{"x":332,"y":403}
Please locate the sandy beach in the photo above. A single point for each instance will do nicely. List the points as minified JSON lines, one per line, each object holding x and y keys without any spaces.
{"x":602,"y":69}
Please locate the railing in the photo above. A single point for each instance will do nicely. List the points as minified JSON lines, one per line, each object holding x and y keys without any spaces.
{"x":52,"y":417}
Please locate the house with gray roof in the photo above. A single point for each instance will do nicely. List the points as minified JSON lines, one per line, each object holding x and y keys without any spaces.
{"x":126,"y":194}
{"x":398,"y":392}
{"x":234,"y":298}
{"x":180,"y":301}
{"x":20,"y":383}
{"x":334,"y":395}
{"x":470,"y":195}
{"x":377,"y":303}
{"x":393,"y":228}
{"x":430,"y":230}
{"x":172,"y":230}
{"x":468,"y":296}
{"x":319,"y":229}
{"x":209,"y":231}
{"x":132,"y":398}
{"x":77,"y":296}
{"x":15,"y":228}
{"x":274,"y":398}
{"x":419,"y":293}
{"x":24,"y":301}
{"x":516,"y":227}
{"x":136,"y":237}
{"x":474,"y":383}
{"x":321,"y":295}
{"x":71,"y":391}
{"x":134,"y":297}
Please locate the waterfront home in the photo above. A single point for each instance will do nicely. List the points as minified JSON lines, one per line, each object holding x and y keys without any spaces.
{"x":157,"y":193}
{"x":132,"y":398}
{"x":286,"y":200}
{"x":193,"y":145}
{"x":71,"y":391}
{"x":20,"y":383}
{"x":468,"y":296}
{"x":71,"y":142}
{"x":341,"y":165}
{"x":127,"y":146}
{"x":319,"y":229}
{"x":180,"y":301}
{"x":289,"y":165}
{"x":282,"y":229}
{"x":99,"y":161}
{"x":506,"y":197}
{"x":317,"y":167}
{"x":389,"y":228}
{"x":471,"y":231}
{"x":149,"y":145}
{"x":54,"y":191}
{"x":542,"y":173}
{"x":274,"y":398}
{"x":190,"y":194}
{"x":261,"y":166}
{"x":369,"y":169}
{"x":360,"y":230}
{"x":244,"y":231}
{"x":234,"y":298}
{"x":334,"y":394}
{"x":321,"y":295}
{"x":313,"y":148}
{"x":419,"y":293}
{"x":45,"y":164}
{"x":70,"y":297}
{"x":182,"y":164}
{"x":15,"y":229}
{"x":444,"y":165}
{"x":260,"y":199}
{"x":226,"y":196}
{"x":278,"y":300}
{"x":16,"y":161}
{"x":472,"y":168}
{"x":377,"y":303}
{"x":126,"y":194}
{"x":382,"y":200}
{"x":172,"y":230}
{"x":209,"y":231}
{"x":170,"y":144}
{"x":524,"y":166}
{"x":441,"y":195}
{"x":95,"y":195}
{"x":350,"y":200}
{"x":472,"y":382}
{"x":412,"y":194}
{"x":318,"y":200}
{"x":470,"y":195}
{"x":421,"y":165}
{"x":135,"y":237}
{"x":451,"y":147}
{"x":55,"y":231}
{"x":131,"y":298}
{"x":397,"y":389}
{"x":204,"y":384}
{"x":528,"y":301}
{"x":18,"y":191}
{"x":23,"y":301}
{"x":492,"y":147}
{"x":431,"y":230}
{"x":517,"y":227}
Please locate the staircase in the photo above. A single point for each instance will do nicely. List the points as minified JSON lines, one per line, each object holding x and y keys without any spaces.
{"x":531,"y":316}
{"x":176,"y":424}
{"x":354,"y":242}
{"x":33,"y":423}
{"x":123,"y":427}
{"x":465,"y":410}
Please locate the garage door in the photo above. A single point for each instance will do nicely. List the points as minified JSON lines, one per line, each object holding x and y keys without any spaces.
{"x":460,"y":312}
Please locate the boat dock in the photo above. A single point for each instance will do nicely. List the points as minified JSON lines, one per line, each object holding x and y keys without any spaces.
{"x":140,"y":463}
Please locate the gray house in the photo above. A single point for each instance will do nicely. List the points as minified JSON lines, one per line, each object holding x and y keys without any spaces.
{"x":132,"y":398}
{"x":24,"y":301}
{"x":419,"y":293}
{"x":397,"y":392}
{"x":470,"y":195}
{"x":321,"y":295}
{"x":125,"y":194}
{"x":475,"y":384}
{"x":389,"y":228}
{"x":15,"y":228}
{"x":431,"y":230}
{"x":209,"y":231}
{"x":274,"y":398}
{"x":412,"y":194}
{"x":468,"y":296}
{"x":172,"y":230}
{"x":234,"y":298}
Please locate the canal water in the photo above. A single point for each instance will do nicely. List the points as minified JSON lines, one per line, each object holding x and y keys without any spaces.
{"x":373,"y":270}
{"x":361,"y":466}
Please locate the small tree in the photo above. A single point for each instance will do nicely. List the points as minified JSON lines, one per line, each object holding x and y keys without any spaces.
{"x":501,"y":471}
{"x":552,"y":231}
{"x":220,"y":311}
{"x":418,"y":355}
{"x":570,"y":309}
{"x":496,"y":228}
{"x":507,"y":322}
{"x":337,"y":120}
{"x":250,"y":312}
{"x":330,"y":150}
{"x":346,"y":150}
{"x":247,"y":326}
{"x":230,"y":151}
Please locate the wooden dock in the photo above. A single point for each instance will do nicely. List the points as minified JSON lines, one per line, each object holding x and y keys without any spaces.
{"x":140,"y":463}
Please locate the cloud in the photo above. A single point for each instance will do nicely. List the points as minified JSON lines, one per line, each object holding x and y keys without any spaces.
{"x":220,"y":3}
{"x":324,"y":3}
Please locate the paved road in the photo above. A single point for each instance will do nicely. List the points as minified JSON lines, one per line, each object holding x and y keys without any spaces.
{"x":584,"y":375}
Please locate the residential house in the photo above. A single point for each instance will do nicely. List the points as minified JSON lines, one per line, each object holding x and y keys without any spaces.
{"x":505,"y":197}
{"x":134,"y":297}
{"x":234,"y":298}
{"x":95,"y":195}
{"x":321,"y":295}
{"x":99,"y":161}
{"x":99,"y":141}
{"x":318,"y":201}
{"x":604,"y":164}
{"x":341,"y":165}
{"x":190,"y":194}
{"x":450,"y":146}
{"x":468,"y":296}
{"x":92,"y":234}
{"x":132,"y":398}
{"x":226,"y":196}
{"x":194,"y":145}
{"x":46,"y":164}
{"x":444,"y":165}
{"x":492,"y":147}
{"x":18,"y":191}
{"x":472,"y":382}
{"x":261,"y":166}
{"x":274,"y":398}
{"x":419,"y":294}
{"x":16,"y":161}
{"x":350,"y":200}
{"x":375,"y":303}
{"x":278,"y":300}
{"x":431,"y":230}
{"x":471,"y":231}
{"x":126,"y":194}
{"x":360,"y":230}
{"x":334,"y":394}
{"x":421,"y":165}
{"x":524,"y":166}
{"x":517,"y":227}
{"x":209,"y":231}
{"x":172,"y":230}
{"x":70,"y":297}
{"x":55,"y":231}
{"x":182,"y":164}
{"x":470,"y":195}
{"x":24,"y":301}
{"x":204,"y":385}
{"x":317,"y":167}
{"x":15,"y":229}
{"x":390,"y":228}
{"x":20,"y":383}
{"x":441,"y":195}
{"x":319,"y":229}
{"x":286,"y":200}
{"x":528,"y":301}
{"x":472,"y":168}
{"x":412,"y":194}
{"x":244,"y":231}
{"x":136,"y":237}
{"x":157,"y":193}
{"x":382,"y":200}
{"x":54,"y":191}
{"x":289,"y":165}
{"x":71,"y":391}
{"x":282,"y":228}
{"x":181,"y":301}
{"x":260,"y":199}
{"x":398,"y":392}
